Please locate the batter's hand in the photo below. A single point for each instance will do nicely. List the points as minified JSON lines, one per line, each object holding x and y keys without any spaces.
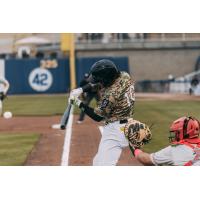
{"x":76,"y":92}
{"x":75,"y":100}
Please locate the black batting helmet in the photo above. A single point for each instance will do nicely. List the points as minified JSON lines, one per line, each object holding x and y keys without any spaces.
{"x":105,"y":72}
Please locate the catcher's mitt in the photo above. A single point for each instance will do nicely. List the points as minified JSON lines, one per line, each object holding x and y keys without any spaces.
{"x":2,"y":96}
{"x":137,"y":133}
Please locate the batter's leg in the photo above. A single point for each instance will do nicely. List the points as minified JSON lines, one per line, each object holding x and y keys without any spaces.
{"x":81,"y":117}
{"x":108,"y":153}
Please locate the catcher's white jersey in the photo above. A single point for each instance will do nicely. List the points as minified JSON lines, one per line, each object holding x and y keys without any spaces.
{"x":177,"y":155}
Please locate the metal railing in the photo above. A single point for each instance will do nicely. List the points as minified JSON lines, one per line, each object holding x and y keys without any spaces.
{"x":89,"y":38}
{"x":7,"y":41}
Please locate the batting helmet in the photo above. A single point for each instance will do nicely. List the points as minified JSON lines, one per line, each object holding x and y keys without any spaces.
{"x":105,"y":72}
{"x":184,"y":128}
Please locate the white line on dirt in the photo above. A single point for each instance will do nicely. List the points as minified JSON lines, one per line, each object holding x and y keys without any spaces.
{"x":101,"y":129}
{"x":66,"y":147}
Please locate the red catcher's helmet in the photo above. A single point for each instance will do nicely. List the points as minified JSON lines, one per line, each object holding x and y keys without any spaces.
{"x":184,"y":128}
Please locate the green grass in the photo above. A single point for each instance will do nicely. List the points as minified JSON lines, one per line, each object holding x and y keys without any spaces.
{"x":36,"y":105}
{"x":14,"y":148}
{"x":162,"y":114}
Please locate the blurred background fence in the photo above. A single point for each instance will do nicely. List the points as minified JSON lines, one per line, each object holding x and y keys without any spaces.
{"x":158,"y":62}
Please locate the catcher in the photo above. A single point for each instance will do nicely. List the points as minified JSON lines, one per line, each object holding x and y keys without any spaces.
{"x":4,"y":86}
{"x":183,"y":151}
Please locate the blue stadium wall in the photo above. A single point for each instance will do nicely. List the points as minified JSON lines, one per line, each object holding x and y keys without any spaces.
{"x":17,"y":72}
{"x":53,"y":80}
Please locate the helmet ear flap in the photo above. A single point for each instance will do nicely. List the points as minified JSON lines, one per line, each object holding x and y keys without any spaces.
{"x":185,"y":127}
{"x":185,"y":124}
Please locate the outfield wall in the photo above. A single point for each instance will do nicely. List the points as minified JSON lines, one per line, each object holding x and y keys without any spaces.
{"x":27,"y":76}
{"x":36,"y":76}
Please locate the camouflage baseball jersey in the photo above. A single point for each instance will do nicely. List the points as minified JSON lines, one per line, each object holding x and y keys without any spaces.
{"x":176,"y":155}
{"x":117,"y":101}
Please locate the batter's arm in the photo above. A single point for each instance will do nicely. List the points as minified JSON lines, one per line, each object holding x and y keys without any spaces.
{"x":90,"y":112}
{"x":90,"y":86}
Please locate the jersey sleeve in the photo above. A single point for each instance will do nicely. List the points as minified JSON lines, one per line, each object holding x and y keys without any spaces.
{"x":162,"y":157}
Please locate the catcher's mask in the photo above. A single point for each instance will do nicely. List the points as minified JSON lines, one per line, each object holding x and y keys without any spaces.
{"x":184,"y":128}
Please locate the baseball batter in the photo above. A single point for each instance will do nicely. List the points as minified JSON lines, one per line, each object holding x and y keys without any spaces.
{"x":184,"y":149}
{"x":4,"y":86}
{"x":114,"y":108}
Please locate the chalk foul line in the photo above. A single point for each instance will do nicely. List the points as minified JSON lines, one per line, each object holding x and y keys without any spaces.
{"x":67,"y":140}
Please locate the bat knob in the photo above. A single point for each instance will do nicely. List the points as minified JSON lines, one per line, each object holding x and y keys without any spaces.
{"x":62,"y":127}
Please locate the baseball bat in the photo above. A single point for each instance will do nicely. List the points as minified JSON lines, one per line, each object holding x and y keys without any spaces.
{"x":65,"y":117}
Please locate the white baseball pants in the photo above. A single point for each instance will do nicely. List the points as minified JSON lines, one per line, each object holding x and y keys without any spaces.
{"x":112,"y":142}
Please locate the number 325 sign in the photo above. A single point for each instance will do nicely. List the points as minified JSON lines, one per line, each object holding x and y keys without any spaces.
{"x":40,"y":79}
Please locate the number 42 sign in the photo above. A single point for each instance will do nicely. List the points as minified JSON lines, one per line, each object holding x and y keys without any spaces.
{"x":40,"y":79}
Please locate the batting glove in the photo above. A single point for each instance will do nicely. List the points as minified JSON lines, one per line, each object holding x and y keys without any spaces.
{"x":76,"y":92}
{"x":75,"y":100}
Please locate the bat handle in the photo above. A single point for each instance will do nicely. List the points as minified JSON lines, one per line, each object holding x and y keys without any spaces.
{"x":65,"y":117}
